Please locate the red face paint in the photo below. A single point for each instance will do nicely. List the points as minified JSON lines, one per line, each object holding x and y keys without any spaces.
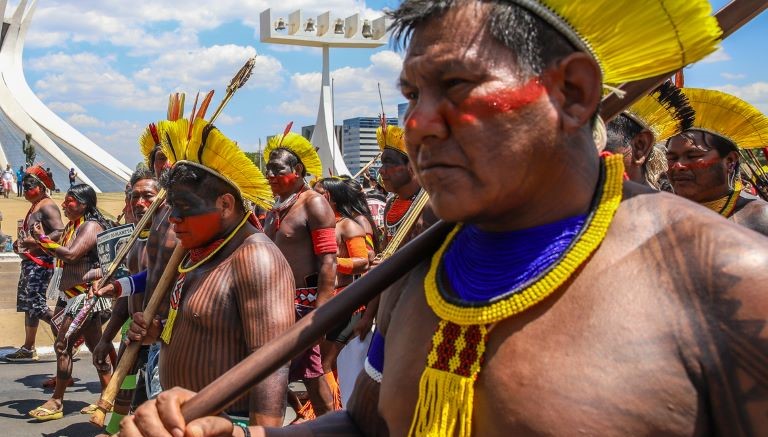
{"x":196,"y":231}
{"x":500,"y":101}
{"x":411,"y":124}
{"x":283,"y":181}
{"x":32,"y":193}
{"x":699,"y":165}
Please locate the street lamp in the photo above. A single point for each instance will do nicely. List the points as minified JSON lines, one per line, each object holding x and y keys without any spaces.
{"x":325,"y":32}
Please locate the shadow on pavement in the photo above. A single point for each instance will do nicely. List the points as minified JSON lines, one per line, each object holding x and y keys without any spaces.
{"x":84,"y":429}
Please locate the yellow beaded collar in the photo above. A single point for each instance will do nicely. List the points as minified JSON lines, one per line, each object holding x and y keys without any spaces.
{"x":726,"y":204}
{"x":446,"y":387}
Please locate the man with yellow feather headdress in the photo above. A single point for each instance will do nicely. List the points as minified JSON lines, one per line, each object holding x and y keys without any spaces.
{"x":704,"y":161}
{"x":398,"y":178}
{"x":234,"y":291}
{"x":652,"y":119}
{"x":303,"y":226}
{"x":523,"y":322}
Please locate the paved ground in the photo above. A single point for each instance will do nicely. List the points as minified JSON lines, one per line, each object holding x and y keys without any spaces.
{"x":20,"y":392}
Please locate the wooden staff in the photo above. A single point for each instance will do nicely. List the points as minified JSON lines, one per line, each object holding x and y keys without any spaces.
{"x":731,"y":17}
{"x":77,"y":322}
{"x":367,"y":166}
{"x":406,"y":226}
{"x":131,"y":352}
{"x":215,"y":397}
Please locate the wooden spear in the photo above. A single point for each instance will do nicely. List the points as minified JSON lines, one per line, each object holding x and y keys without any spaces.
{"x":131,"y":352}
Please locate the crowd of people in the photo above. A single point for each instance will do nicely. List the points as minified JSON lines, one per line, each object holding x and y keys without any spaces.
{"x":570,"y":294}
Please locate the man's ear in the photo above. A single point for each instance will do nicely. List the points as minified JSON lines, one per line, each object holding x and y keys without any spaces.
{"x":574,"y":84}
{"x":732,"y":160}
{"x":228,"y":205}
{"x":642,"y":144}
{"x":299,"y":169}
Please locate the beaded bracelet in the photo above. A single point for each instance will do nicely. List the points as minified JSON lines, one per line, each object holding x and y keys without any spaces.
{"x":246,"y":431}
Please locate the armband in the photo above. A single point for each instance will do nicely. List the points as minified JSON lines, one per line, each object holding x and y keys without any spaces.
{"x":324,"y":241}
{"x":356,"y":249}
{"x":130,"y":285}
{"x":344,"y":266}
{"x":374,"y":361}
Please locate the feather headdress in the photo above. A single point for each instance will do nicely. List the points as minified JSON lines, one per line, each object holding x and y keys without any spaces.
{"x":633,"y":40}
{"x":729,"y":117}
{"x":209,"y":149}
{"x":299,"y":146}
{"x":151,"y":138}
{"x":666,"y":112}
{"x":392,"y":138}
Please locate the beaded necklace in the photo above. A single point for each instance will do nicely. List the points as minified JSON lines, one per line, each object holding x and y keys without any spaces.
{"x":198,"y":257}
{"x":726,"y":204}
{"x":397,"y":212}
{"x":446,"y":387}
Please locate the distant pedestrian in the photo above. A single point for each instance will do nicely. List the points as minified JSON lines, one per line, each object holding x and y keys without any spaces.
{"x":72,"y":176}
{"x":7,"y":179}
{"x":50,"y":175}
{"x":19,"y":179}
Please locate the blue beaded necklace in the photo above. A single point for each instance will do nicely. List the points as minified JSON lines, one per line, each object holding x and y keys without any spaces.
{"x":481,"y":266}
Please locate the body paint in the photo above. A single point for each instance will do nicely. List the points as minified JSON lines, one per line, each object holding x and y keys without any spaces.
{"x":499,"y":101}
{"x":198,"y":230}
{"x":32,"y":193}
{"x":699,"y":165}
{"x":283,"y":181}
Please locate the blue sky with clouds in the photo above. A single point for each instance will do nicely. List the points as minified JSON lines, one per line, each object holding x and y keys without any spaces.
{"x":107,"y":66}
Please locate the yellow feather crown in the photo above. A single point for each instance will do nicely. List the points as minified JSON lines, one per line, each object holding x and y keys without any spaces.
{"x":208,"y":148}
{"x":394,"y":139}
{"x":299,"y":146}
{"x":633,"y":40}
{"x":729,"y":117}
{"x":152,"y":137}
{"x":666,"y":112}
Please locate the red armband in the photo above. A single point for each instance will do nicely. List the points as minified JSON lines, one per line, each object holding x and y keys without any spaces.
{"x":324,"y":241}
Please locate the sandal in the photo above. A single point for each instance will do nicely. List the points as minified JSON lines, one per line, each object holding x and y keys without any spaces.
{"x":43,"y":414}
{"x":90,"y":409}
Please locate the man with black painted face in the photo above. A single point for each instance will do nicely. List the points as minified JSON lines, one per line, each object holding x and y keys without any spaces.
{"x":234,"y":291}
{"x":36,"y":265}
{"x":302,"y":224}
{"x":704,"y":161}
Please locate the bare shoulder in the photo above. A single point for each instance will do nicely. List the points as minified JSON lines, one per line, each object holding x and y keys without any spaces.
{"x":350,"y":229}
{"x":753,"y":215}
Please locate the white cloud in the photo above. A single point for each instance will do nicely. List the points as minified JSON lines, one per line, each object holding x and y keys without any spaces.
{"x":66,"y":107}
{"x":755,"y":93}
{"x":355,"y":89}
{"x":719,"y":55}
{"x":119,"y":138}
{"x":83,"y":120}
{"x":733,"y":76}
{"x":225,"y":119}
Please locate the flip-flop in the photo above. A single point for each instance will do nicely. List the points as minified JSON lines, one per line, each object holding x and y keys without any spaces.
{"x":90,"y":409}
{"x":47,"y":414}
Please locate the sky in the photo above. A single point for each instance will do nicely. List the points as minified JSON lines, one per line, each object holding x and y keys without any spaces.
{"x":107,"y":66}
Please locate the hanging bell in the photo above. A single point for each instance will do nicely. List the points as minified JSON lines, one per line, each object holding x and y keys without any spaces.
{"x":310,"y":27}
{"x":280,"y":24}
{"x":339,"y":27}
{"x":366,"y":32}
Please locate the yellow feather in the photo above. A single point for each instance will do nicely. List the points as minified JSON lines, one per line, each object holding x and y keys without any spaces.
{"x":729,"y":116}
{"x":394,"y":139}
{"x":220,"y":155}
{"x":300,"y":147}
{"x":632,"y":40}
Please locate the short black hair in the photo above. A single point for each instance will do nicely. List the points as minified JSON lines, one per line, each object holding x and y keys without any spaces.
{"x":534,"y":43}
{"x":620,"y":132}
{"x":712,"y":141}
{"x":290,"y":158}
{"x":210,"y":185}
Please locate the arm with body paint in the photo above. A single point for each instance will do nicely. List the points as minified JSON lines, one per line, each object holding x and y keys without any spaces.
{"x":320,"y":218}
{"x":84,"y":242}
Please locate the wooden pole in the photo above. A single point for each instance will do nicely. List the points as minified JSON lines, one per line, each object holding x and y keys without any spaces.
{"x":159,"y":295}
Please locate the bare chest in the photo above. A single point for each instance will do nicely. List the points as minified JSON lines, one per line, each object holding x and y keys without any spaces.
{"x":600,"y":357}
